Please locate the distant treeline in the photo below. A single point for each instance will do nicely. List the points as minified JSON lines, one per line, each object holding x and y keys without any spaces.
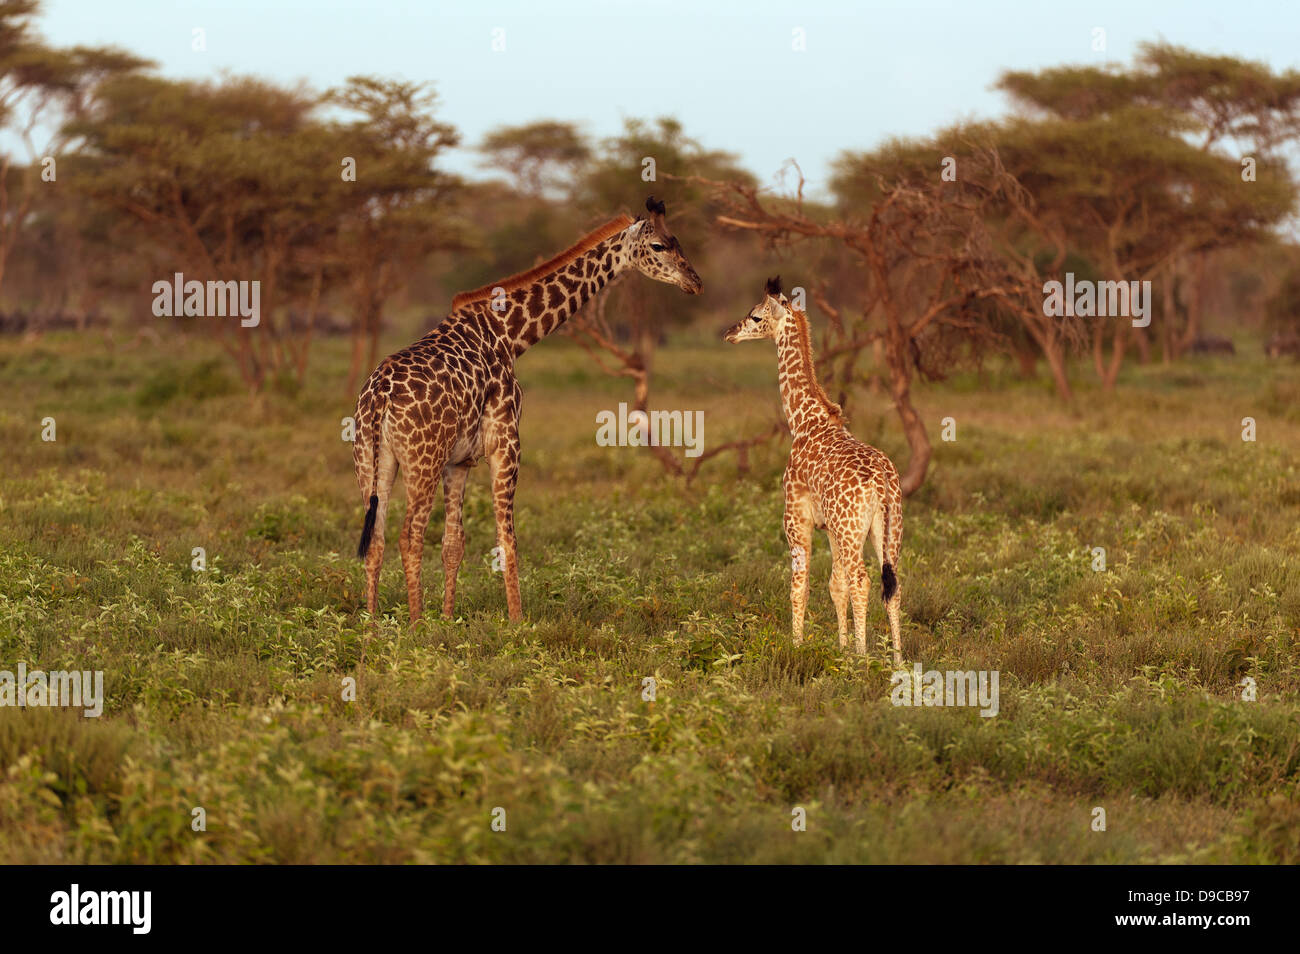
{"x":929,"y":252}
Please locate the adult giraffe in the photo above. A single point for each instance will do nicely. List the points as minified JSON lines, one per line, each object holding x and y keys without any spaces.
{"x":438,"y":407}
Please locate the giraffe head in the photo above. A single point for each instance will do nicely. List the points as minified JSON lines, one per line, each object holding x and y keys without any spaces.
{"x":655,"y":252}
{"x":766,"y":319}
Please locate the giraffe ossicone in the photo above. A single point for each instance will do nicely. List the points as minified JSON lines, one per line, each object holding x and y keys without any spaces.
{"x":832,"y":481}
{"x":451,"y":399}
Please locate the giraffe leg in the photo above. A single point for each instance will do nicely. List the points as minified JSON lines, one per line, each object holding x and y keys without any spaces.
{"x":453,"y":534}
{"x":798,"y":533}
{"x":420,"y":495}
{"x":891,"y":610}
{"x":860,"y":591}
{"x":839,"y":592}
{"x":387,"y":464}
{"x":859,"y":582}
{"x":504,"y":464}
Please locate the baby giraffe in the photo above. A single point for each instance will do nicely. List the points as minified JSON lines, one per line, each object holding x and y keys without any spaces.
{"x":832,"y":482}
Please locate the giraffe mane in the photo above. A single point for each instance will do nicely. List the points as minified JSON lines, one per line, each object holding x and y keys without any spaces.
{"x":803,"y":341}
{"x":523,"y":279}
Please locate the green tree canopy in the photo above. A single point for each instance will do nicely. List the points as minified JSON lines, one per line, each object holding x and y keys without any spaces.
{"x":542,"y":158}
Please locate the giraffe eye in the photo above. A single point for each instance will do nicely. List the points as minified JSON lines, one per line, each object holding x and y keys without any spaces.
{"x":656,"y":246}
{"x":754,"y":318}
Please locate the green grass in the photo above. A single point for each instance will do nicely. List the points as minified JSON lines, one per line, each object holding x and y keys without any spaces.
{"x":224,"y":688}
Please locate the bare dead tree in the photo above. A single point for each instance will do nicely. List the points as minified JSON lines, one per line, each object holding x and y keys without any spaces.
{"x":936,"y":273}
{"x":591,"y":328}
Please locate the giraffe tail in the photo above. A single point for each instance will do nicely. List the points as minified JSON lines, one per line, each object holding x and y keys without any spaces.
{"x":888,"y":579}
{"x":368,"y":528}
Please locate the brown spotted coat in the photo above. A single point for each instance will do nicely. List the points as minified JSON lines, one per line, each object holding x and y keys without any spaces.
{"x":451,"y":399}
{"x":832,"y":482}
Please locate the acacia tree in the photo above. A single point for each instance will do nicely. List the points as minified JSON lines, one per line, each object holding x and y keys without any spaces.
{"x":654,"y":157}
{"x":1137,"y":197}
{"x":930,"y":268}
{"x":1022,"y":240}
{"x":396,"y":211}
{"x":543,"y":158}
{"x":213,"y":173}
{"x":1240,"y":105}
{"x":1221,"y":99}
{"x":241,"y":180}
{"x":40,"y":87}
{"x":74,"y":255}
{"x":1122,"y":127}
{"x":30,"y":76}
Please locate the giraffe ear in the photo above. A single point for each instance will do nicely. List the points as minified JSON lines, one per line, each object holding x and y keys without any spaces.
{"x":774,"y":286}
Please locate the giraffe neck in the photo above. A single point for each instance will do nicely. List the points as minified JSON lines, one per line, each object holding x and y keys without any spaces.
{"x":537,"y":309}
{"x":805,"y":403}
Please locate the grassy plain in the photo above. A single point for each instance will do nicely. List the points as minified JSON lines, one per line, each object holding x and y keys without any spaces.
{"x":1119,"y":689}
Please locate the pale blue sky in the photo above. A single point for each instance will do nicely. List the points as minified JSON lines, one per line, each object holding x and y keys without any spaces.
{"x":872,"y":69}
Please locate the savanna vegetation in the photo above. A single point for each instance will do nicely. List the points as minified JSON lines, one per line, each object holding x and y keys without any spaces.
{"x":1119,"y":689}
{"x":1160,"y":686}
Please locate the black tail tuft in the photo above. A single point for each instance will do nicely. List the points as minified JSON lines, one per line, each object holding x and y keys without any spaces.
{"x":364,"y":547}
{"x":888,"y":582}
